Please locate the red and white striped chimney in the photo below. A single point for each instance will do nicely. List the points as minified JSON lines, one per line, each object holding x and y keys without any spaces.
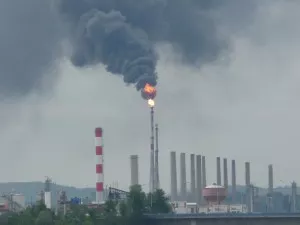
{"x":99,"y":165}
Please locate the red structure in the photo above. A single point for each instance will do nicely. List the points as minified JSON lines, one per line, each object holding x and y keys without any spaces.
{"x":99,"y":165}
{"x":214,"y":194}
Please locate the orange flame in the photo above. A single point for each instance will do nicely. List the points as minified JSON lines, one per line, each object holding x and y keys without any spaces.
{"x":149,"y":89}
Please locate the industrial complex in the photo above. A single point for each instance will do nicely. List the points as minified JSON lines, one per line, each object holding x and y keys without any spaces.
{"x":195,"y":196}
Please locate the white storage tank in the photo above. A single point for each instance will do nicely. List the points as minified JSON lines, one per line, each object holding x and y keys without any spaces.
{"x":48,"y":199}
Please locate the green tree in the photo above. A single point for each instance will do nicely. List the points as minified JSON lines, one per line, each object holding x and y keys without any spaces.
{"x":123,"y":209}
{"x":45,"y":218}
{"x":137,"y":201}
{"x":158,"y":202}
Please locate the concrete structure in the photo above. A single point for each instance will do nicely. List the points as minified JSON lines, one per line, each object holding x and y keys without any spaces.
{"x":173,"y":170}
{"x":199,"y":179}
{"x":19,"y":199}
{"x":269,"y":203}
{"x":270,"y":179}
{"x":294,"y":197}
{"x":225,"y":171}
{"x":210,"y":209}
{"x":157,"y":183}
{"x":203,"y":172}
{"x":193,"y":177}
{"x":183,"y":176}
{"x":134,"y":165}
{"x":48,"y":199}
{"x":183,"y":207}
{"x":233,"y":181}
{"x":248,"y":185}
{"x":47,"y":193}
{"x":99,"y":165}
{"x":222,"y":218}
{"x":219,"y":171}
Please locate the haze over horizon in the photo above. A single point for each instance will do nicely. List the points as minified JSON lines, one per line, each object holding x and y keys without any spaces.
{"x":242,"y":106}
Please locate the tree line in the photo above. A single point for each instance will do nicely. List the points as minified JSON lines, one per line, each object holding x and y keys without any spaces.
{"x":129,"y":211}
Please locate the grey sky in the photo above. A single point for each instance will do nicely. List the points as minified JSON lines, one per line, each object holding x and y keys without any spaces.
{"x":244,"y":106}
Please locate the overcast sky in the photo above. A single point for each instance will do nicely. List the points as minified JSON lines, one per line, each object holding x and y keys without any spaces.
{"x":244,"y":106}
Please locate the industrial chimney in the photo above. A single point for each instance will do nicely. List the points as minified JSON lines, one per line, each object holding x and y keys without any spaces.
{"x":183,"y":176}
{"x":47,"y":193}
{"x":270,"y":178}
{"x":193,"y":177}
{"x":233,"y":180}
{"x":248,"y":185}
{"x":199,"y":179}
{"x":294,"y":197}
{"x":134,"y":169}
{"x":203,"y":172}
{"x":99,"y":165}
{"x":173,"y":177}
{"x":225,"y":171}
{"x":219,"y":171}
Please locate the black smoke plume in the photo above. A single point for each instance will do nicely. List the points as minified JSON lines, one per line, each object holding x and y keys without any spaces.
{"x":121,"y":34}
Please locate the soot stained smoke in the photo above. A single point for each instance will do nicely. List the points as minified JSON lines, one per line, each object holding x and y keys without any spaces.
{"x":122,"y":34}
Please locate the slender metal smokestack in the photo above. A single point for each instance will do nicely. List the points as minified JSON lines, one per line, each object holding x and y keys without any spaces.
{"x":270,"y":178}
{"x":183,"y":176}
{"x":134,"y":169}
{"x":199,"y":179}
{"x":173,"y":177}
{"x":152,"y":168}
{"x":156,"y":159}
{"x":233,"y":180}
{"x":193,"y":177}
{"x":225,"y":171}
{"x":203,"y":172}
{"x":219,"y":171}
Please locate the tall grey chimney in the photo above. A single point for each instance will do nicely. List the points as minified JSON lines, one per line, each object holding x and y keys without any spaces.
{"x":233,"y":180}
{"x":173,"y":177}
{"x":247,"y":173}
{"x":219,"y":171}
{"x":203,"y":172}
{"x":225,"y":171}
{"x":248,"y":185}
{"x":199,"y":179}
{"x":294,"y":197}
{"x":134,"y":169}
{"x":270,"y":178}
{"x":183,"y":176}
{"x":193,"y":177}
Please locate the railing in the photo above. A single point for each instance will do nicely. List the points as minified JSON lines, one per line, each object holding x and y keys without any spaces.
{"x":222,"y":215}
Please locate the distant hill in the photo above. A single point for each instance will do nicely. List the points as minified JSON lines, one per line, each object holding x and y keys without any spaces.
{"x":31,"y":189}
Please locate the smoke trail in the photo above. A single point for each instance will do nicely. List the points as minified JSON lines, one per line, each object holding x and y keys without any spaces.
{"x":121,"y":34}
{"x":29,"y":45}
